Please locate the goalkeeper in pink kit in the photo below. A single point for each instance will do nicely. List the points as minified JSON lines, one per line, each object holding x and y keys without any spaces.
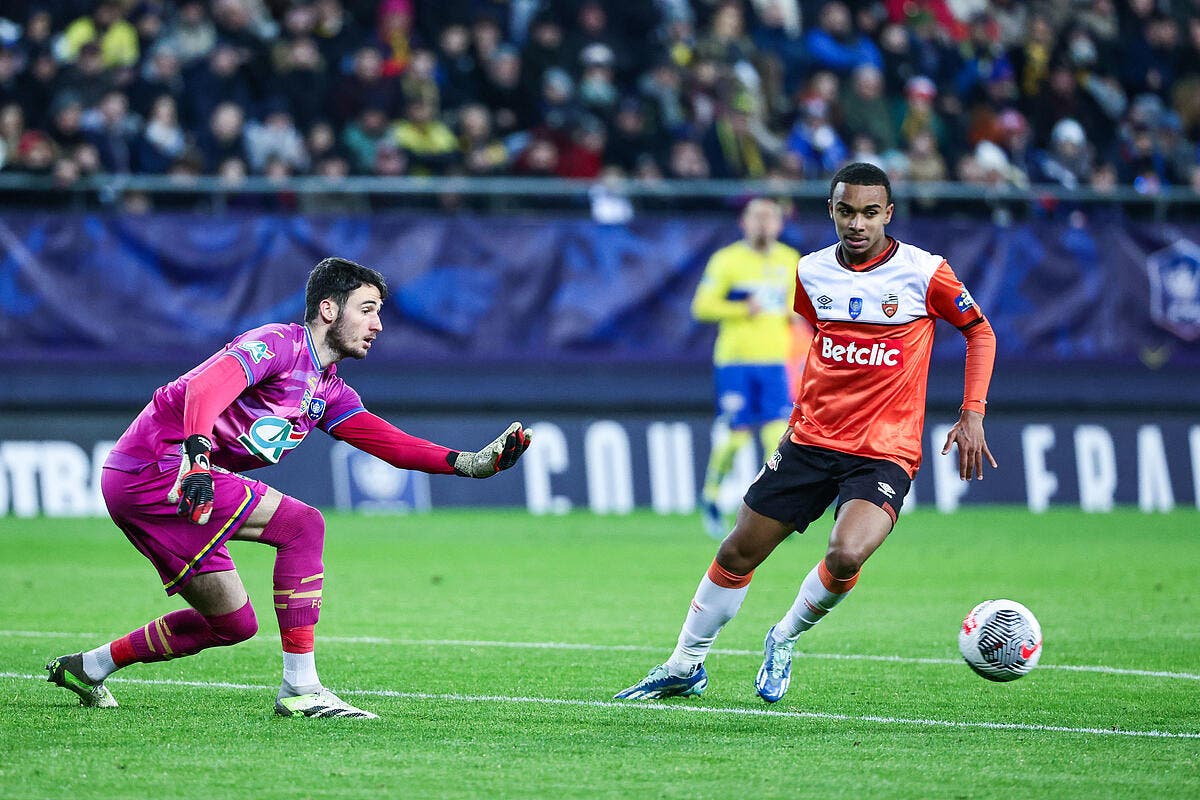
{"x":172,"y":485}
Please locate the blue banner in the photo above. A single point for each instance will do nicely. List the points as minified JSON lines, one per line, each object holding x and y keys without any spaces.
{"x":169,"y":289}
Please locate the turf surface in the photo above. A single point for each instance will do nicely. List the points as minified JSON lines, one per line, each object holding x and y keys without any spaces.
{"x":491,"y":643}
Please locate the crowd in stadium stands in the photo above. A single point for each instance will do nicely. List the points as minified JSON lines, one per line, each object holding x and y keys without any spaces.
{"x":1070,"y":92}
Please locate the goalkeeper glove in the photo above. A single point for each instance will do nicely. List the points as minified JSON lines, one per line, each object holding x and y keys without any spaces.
{"x":499,"y":455}
{"x":193,"y":489}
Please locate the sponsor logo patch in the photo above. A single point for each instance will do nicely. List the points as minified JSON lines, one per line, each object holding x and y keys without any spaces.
{"x":890,"y":304}
{"x":855,"y":307}
{"x":883,"y":354}
{"x":270,"y":437}
{"x":964,"y":302}
{"x":316,"y":408}
{"x":774,"y":461}
{"x":887,"y":489}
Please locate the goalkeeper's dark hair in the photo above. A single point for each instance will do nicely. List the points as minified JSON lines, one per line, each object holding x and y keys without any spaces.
{"x":335,"y":279}
{"x":861,"y":173}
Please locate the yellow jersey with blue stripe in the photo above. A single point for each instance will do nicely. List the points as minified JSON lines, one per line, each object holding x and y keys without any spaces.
{"x":735,"y":274}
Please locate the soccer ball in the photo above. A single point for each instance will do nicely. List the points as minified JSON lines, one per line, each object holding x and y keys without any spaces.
{"x":1001,"y":640}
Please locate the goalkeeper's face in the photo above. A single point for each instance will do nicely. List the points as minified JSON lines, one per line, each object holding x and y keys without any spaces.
{"x":353,"y":332}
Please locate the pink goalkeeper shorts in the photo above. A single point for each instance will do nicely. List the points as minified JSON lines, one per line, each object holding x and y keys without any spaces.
{"x":178,"y":549}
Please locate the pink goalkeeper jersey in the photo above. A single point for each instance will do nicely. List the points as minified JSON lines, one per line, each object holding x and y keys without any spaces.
{"x":289,"y":394}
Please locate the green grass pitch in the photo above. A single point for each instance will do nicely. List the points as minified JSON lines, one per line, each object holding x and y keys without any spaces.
{"x":491,"y":642}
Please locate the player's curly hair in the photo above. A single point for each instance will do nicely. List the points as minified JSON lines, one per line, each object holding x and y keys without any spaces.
{"x":861,"y":173}
{"x":334,"y":279}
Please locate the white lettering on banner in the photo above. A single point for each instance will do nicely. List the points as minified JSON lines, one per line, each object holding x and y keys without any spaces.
{"x":672,"y":468}
{"x":1040,"y":482}
{"x":64,"y":477}
{"x":609,"y":468}
{"x":20,"y":460}
{"x":1194,"y":449}
{"x":1154,"y":477}
{"x":1096,"y":463}
{"x":549,"y":457}
{"x":948,"y":486}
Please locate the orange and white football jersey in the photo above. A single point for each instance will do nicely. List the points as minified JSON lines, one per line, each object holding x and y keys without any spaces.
{"x":863,"y":386}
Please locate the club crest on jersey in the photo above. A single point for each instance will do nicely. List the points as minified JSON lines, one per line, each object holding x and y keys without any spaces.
{"x":890,"y":304}
{"x":270,"y":437}
{"x":855,"y":307}
{"x":257,"y":350}
{"x":964,"y":302}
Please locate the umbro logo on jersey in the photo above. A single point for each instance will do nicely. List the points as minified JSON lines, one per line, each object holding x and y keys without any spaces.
{"x":855,"y":307}
{"x":887,"y":354}
{"x":890,"y":304}
{"x":825,"y":302}
{"x":887,"y":489}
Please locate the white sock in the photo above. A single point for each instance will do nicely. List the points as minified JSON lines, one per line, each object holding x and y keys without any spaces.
{"x":819,"y":593}
{"x":300,"y":674}
{"x":98,"y":664}
{"x":712,"y":607}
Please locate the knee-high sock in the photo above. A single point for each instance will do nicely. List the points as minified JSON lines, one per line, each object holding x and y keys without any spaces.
{"x":180,"y":633}
{"x":297,"y":532}
{"x":721,"y":460}
{"x":819,"y":593}
{"x":718,"y":598}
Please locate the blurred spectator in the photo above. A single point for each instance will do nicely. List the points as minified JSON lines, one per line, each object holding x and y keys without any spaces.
{"x":87,"y":78}
{"x":544,"y":47}
{"x":113,"y":132}
{"x":363,"y":138}
{"x":731,"y":147}
{"x":538,"y":159}
{"x":662,"y":88}
{"x":775,"y":34}
{"x":834,"y":44}
{"x":918,"y":115}
{"x":365,"y":87}
{"x":900,"y":62}
{"x":191,"y":34}
{"x":597,"y":89}
{"x":116,"y":39}
{"x":162,"y":140}
{"x":214,"y":80}
{"x":504,"y":93}
{"x":37,"y":88}
{"x":687,"y":160}
{"x":482,"y":153}
{"x":1068,"y":161}
{"x":866,"y":110}
{"x":36,"y":154}
{"x":275,"y":139}
{"x":12,"y":128}
{"x":394,"y":35}
{"x":458,"y":80}
{"x":427,"y":143}
{"x":302,"y":80}
{"x":726,"y":41}
{"x":337,"y":34}
{"x":814,"y":145}
{"x":420,"y":79}
{"x":925,"y":163}
{"x":592,"y":27}
{"x":223,"y":138}
{"x":581,"y":155}
{"x":630,"y":139}
{"x":159,"y":74}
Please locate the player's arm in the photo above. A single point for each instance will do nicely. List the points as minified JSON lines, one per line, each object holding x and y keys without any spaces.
{"x":711,"y":302}
{"x":949,"y":300}
{"x":380,"y":438}
{"x":208,"y":394}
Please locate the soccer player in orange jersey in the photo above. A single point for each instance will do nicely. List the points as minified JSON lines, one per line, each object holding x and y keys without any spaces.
{"x":855,"y":433}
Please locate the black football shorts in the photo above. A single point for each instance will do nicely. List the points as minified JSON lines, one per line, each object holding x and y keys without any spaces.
{"x":798,"y":483}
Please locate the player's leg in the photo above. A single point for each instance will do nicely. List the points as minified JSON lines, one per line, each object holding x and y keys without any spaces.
{"x":867,"y":513}
{"x":733,"y":405}
{"x":297,"y":532}
{"x":716,"y":601}
{"x":192,"y":561}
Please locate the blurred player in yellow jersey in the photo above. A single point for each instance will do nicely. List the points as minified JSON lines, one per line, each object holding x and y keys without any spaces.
{"x":747,"y":289}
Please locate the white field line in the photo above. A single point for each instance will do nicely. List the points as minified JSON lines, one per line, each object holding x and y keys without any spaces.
{"x":658,"y":706}
{"x":637,"y":648}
